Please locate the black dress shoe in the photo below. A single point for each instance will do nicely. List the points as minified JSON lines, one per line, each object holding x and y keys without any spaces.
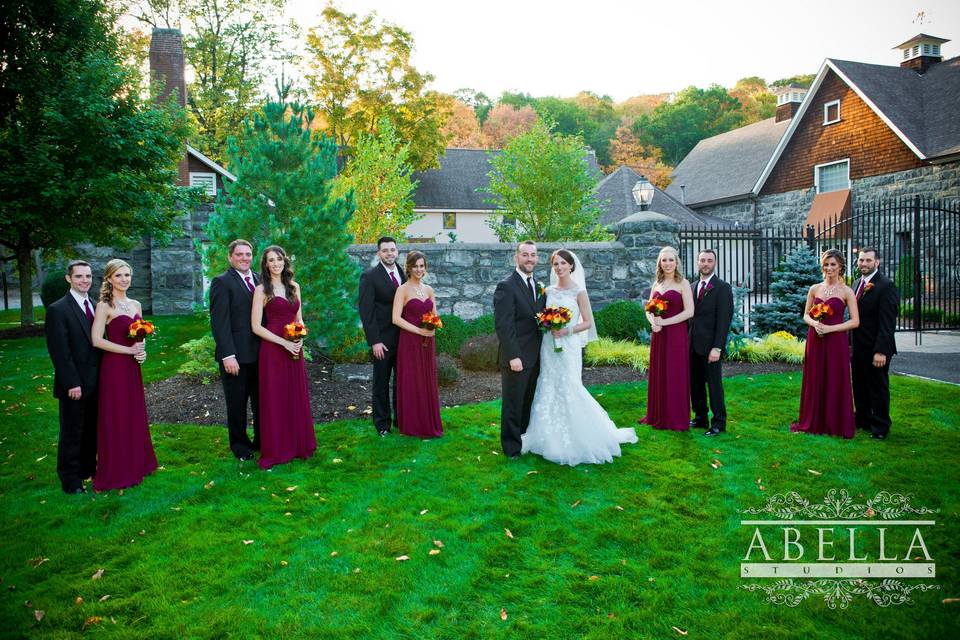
{"x":77,"y":491}
{"x":696,"y":424}
{"x":878,"y":436}
{"x":383,"y":434}
{"x":244,"y":456}
{"x":714,"y":431}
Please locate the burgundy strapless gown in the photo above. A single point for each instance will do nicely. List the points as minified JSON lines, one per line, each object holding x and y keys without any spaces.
{"x":286,"y":421}
{"x":124,"y":449}
{"x":418,"y":397}
{"x":668,"y":389}
{"x":826,"y":394}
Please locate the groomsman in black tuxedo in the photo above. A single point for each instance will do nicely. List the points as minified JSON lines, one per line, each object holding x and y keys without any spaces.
{"x":238,"y":349}
{"x":516,"y":301}
{"x":873,"y":345}
{"x":713,"y":312}
{"x":378,"y":285}
{"x":76,"y":365}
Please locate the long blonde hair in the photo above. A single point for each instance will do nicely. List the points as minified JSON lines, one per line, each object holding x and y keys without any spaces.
{"x":677,"y":274}
{"x":106,"y":287}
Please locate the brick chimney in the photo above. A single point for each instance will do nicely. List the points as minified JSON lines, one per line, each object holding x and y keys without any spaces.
{"x":920,"y":52}
{"x":789,"y":100}
{"x":167,"y":69}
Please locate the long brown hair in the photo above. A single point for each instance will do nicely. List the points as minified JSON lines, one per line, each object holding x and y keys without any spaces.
{"x":286,"y":276}
{"x":412,"y":258}
{"x":838,"y":256}
{"x":106,"y":287}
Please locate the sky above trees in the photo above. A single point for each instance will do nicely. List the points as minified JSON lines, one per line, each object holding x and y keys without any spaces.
{"x":625,"y":48}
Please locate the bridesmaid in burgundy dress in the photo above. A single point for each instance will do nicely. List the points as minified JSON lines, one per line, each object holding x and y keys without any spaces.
{"x":286,"y":422}
{"x":124,"y":449}
{"x":826,"y":394}
{"x":418,"y":397}
{"x":668,"y":387}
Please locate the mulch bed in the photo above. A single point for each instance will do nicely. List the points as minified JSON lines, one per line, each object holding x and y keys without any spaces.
{"x":183,"y":399}
{"x":15,"y":333}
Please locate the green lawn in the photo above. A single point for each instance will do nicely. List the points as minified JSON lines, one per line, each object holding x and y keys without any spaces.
{"x":209,"y":547}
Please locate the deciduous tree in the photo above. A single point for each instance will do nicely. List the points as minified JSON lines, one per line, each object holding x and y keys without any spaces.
{"x":625,"y":149}
{"x":505,"y":123}
{"x":462,"y":128}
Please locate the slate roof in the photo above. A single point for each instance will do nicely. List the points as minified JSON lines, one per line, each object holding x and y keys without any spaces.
{"x":616,"y":201}
{"x":726,"y":166}
{"x":462,"y":172}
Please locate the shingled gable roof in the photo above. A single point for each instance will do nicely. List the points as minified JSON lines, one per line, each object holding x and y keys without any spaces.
{"x":455,"y":185}
{"x":615,"y":195}
{"x":210,"y":163}
{"x":922,"y":110}
{"x":727,"y":166}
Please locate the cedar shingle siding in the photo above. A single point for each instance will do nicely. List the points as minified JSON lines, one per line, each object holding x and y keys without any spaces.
{"x":861,"y":136}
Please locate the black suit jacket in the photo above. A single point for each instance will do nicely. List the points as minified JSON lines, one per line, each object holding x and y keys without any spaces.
{"x":230,"y":304}
{"x":514,"y":316}
{"x":711,"y":317}
{"x":878,"y":318}
{"x":376,"y":306}
{"x":76,"y":362}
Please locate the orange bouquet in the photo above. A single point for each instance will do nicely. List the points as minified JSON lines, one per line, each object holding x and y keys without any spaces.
{"x":554,"y":319}
{"x":657,"y":306}
{"x":295,"y":331}
{"x":430,"y":320}
{"x":820,"y":311}
{"x":140,"y":329}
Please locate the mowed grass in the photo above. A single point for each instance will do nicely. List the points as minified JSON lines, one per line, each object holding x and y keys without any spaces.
{"x":210,"y":547}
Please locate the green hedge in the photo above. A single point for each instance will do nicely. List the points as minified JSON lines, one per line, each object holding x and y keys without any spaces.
{"x":622,"y":320}
{"x":456,"y":331}
{"x":55,"y":286}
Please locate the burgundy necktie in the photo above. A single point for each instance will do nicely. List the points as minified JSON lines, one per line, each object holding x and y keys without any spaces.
{"x":860,"y":288}
{"x":703,"y":290}
{"x":393,"y":278}
{"x":249,"y":283}
{"x":86,"y":307}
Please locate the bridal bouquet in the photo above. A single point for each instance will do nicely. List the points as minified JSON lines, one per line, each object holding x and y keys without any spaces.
{"x":656,"y":306}
{"x":295,"y":331}
{"x":430,"y":320}
{"x":553,"y":319}
{"x":140,"y":329}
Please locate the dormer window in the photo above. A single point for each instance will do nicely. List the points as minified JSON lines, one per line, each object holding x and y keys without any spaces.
{"x":831,"y":112}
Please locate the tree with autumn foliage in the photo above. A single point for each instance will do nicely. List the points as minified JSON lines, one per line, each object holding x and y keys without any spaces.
{"x":361,"y":74}
{"x":462,"y":128}
{"x":756,"y":101}
{"x":505,"y":122}
{"x":625,"y":149}
{"x":544,"y":189}
{"x":378,"y":176}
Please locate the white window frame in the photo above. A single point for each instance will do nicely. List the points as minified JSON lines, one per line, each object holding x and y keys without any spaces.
{"x":826,"y":110}
{"x":816,"y":173}
{"x":208,"y":182}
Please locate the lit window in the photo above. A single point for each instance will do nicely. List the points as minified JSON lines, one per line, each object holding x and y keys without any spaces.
{"x":206,"y":180}
{"x":450,"y":220}
{"x":831,"y":112}
{"x":833,"y":176}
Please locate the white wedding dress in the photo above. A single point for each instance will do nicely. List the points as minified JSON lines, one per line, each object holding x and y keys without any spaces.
{"x":567,"y":425}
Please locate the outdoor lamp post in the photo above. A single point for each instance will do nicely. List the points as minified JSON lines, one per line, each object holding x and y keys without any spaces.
{"x":642,"y":193}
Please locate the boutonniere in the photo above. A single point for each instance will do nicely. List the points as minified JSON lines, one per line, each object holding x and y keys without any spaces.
{"x":707,"y":289}
{"x":867,"y":287}
{"x":540,"y":290}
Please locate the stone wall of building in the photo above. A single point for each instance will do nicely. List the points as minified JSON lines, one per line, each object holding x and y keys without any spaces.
{"x":464,"y":276}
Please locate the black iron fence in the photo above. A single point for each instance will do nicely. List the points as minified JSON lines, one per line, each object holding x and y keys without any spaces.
{"x":918,"y":240}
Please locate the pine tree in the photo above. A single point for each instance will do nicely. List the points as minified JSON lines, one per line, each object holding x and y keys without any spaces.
{"x":283,"y":195}
{"x":791,"y":281}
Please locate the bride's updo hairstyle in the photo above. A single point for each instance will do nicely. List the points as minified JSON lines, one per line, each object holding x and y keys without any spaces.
{"x":106,"y":287}
{"x":837,"y":255}
{"x":567,"y":257}
{"x":412,"y":258}
{"x":677,"y":274}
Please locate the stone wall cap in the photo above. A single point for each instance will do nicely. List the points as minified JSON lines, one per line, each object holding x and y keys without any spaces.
{"x":646,"y":216}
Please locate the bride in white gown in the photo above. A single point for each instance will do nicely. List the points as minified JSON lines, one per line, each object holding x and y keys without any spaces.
{"x":567,"y":425}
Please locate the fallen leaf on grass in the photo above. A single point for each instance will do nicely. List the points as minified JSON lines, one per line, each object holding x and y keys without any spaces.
{"x":680,"y":631}
{"x":495,"y":453}
{"x":209,"y":485}
{"x":105,"y":598}
{"x":816,"y":473}
{"x":575,"y":505}
{"x":424,"y":511}
{"x":619,"y":508}
{"x":438,"y":544}
{"x":38,"y":614}
{"x":503,"y":614}
{"x":402,"y":558}
{"x":36,"y":562}
{"x":284,"y":563}
{"x":78,"y":601}
{"x":92,"y":620}
{"x":775,"y":465}
{"x":951,"y":600}
{"x":337,"y":460}
{"x":530,"y":473}
{"x":42,"y":457}
{"x":509,"y":533}
{"x":247,"y":541}
{"x":293,"y":488}
{"x":97,"y":575}
{"x":716,"y":464}
{"x":592,"y":578}
{"x":434,"y":552}
{"x":334,"y":554}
